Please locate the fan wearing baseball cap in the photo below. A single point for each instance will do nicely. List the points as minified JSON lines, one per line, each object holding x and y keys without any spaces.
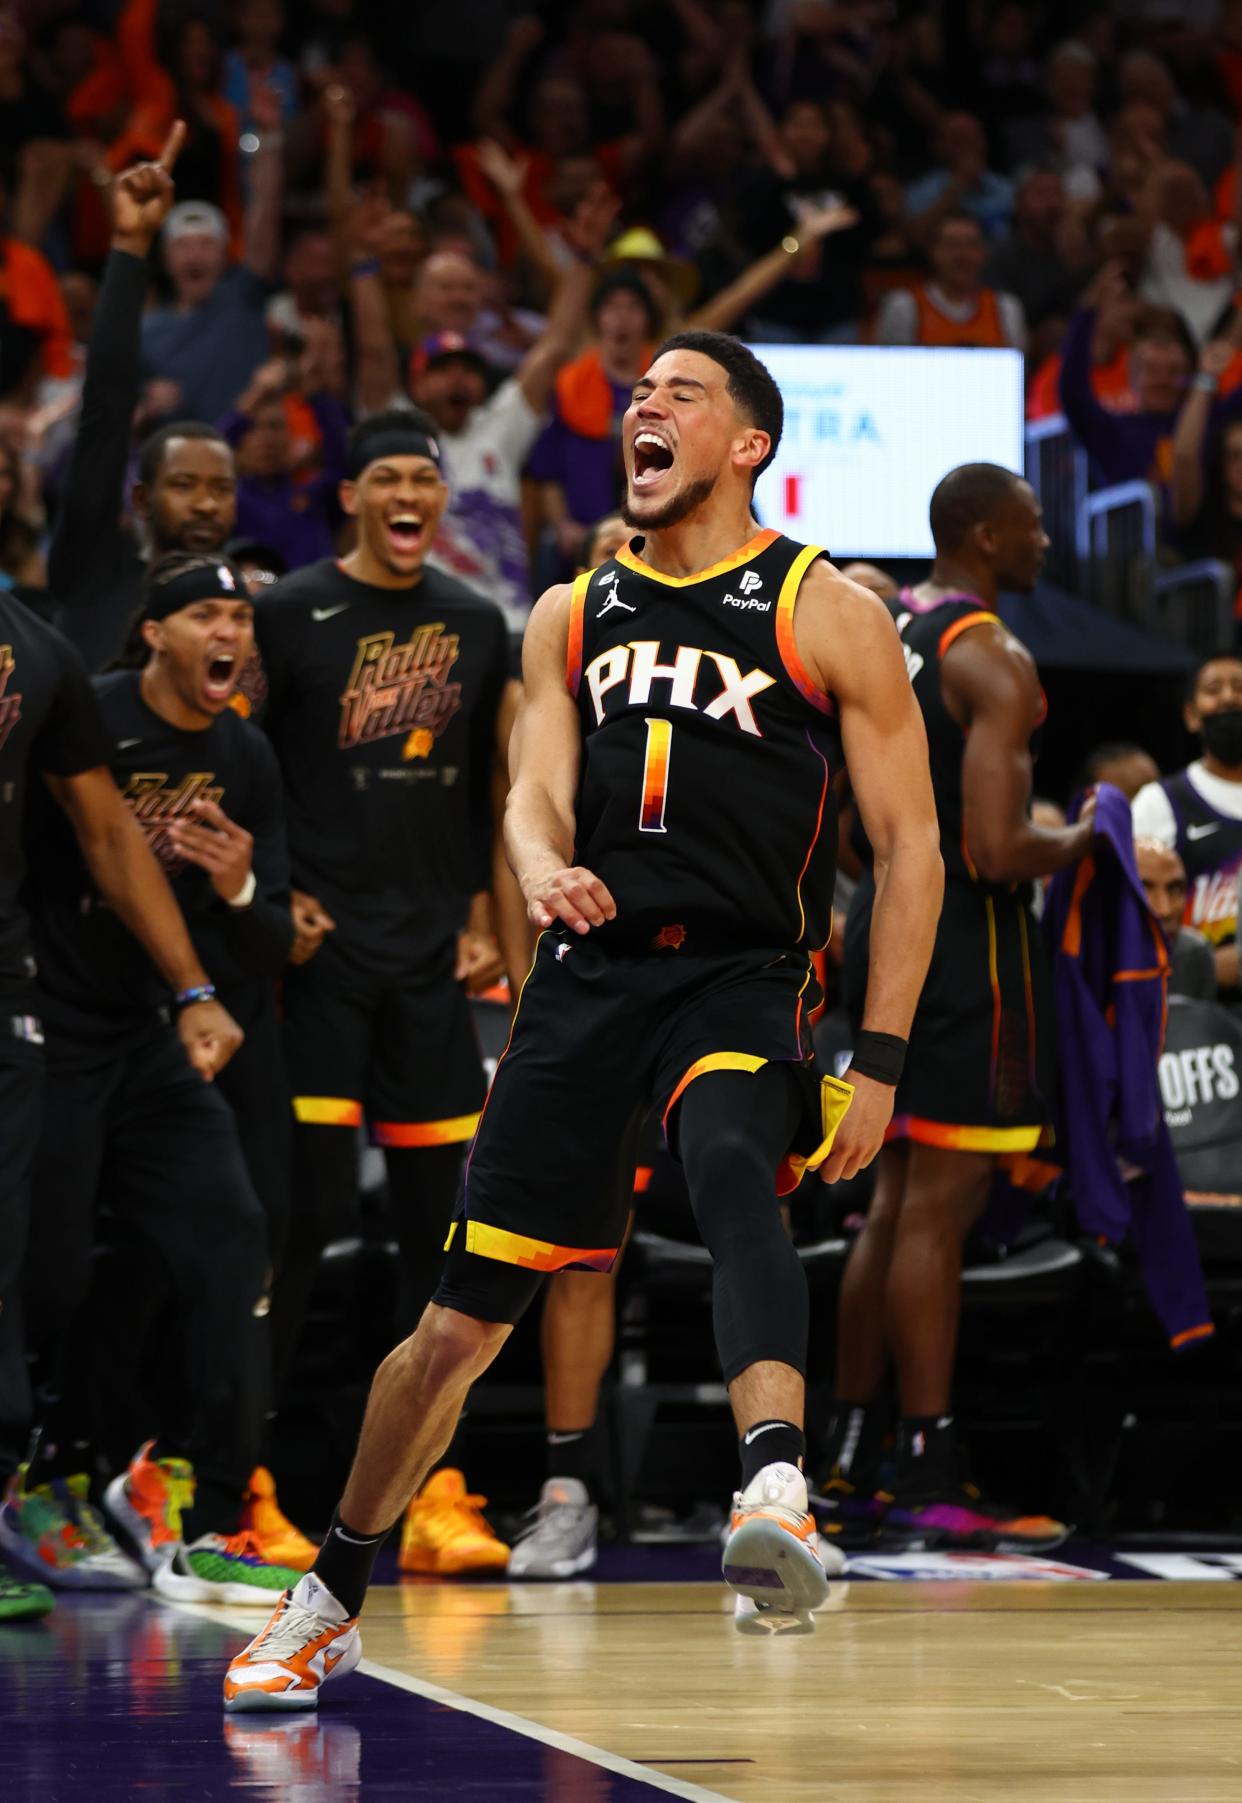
{"x":213,"y":335}
{"x":485,"y":436}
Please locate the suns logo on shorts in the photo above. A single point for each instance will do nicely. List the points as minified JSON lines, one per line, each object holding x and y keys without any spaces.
{"x":669,"y":939}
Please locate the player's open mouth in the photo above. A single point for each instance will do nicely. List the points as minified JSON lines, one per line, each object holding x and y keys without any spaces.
{"x":653,"y":458}
{"x":219,"y":683}
{"x":405,"y":532}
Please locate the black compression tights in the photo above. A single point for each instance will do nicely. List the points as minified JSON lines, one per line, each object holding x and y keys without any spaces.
{"x":733,"y":1129}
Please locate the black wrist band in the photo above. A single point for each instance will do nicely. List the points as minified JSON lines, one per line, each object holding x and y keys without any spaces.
{"x":880,"y":1056}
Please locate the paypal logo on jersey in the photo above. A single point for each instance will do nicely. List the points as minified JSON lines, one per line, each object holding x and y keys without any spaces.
{"x":750,"y":582}
{"x":635,"y":665}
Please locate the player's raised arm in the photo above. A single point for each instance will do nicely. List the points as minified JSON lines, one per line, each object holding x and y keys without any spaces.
{"x":846,"y":637}
{"x":547,"y":750}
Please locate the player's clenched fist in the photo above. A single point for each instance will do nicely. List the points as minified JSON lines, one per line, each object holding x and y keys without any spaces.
{"x":573,"y":895}
{"x":210,"y":1036}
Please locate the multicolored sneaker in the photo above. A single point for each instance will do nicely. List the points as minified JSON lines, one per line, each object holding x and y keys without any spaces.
{"x":848,"y":1515}
{"x":20,"y":1601}
{"x":147,"y":1501}
{"x":308,"y":1640}
{"x":774,"y":1558}
{"x":221,"y":1568}
{"x":445,"y":1533}
{"x":960,"y":1517}
{"x":52,"y":1530}
{"x":263,"y":1518}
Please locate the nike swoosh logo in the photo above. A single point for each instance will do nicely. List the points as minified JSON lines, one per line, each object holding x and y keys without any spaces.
{"x":1200,"y":832}
{"x":755,"y":1432}
{"x":326,"y":613}
{"x":127,"y":744}
{"x":331,"y":1659}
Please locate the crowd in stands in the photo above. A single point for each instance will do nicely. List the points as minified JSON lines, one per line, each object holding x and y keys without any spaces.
{"x":495,"y":213}
{"x":373,"y":211}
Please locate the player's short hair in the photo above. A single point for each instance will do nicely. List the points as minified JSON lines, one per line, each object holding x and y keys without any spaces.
{"x":378,"y":428}
{"x":154,"y":447}
{"x":751,"y":385}
{"x":1224,"y":654}
{"x":966,"y":497}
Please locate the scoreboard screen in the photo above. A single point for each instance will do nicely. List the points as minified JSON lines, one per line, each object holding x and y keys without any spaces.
{"x":871,"y":429}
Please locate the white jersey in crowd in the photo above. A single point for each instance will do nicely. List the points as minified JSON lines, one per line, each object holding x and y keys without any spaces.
{"x":481,"y":540}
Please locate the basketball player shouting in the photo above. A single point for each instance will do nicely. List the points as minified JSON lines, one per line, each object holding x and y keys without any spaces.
{"x":671,"y":826}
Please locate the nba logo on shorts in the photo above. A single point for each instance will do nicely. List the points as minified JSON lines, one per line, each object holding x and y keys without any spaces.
{"x":749,"y":582}
{"x":562,"y":952}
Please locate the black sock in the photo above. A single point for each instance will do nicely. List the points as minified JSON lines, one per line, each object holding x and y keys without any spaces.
{"x":571,"y":1455}
{"x":770,"y":1443}
{"x":854,"y":1443}
{"x":345,"y":1561}
{"x":926,"y":1454}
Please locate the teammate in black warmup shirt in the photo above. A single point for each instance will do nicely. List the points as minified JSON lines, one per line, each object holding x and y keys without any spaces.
{"x":384,"y":680}
{"x":185,"y":500}
{"x":124,"y":1108}
{"x":50,"y":727}
{"x":671,"y":825}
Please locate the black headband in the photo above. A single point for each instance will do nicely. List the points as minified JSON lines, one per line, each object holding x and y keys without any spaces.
{"x":394,"y":441}
{"x":205,"y":581}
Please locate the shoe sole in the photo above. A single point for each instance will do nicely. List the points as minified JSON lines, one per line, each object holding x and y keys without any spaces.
{"x":18,"y":1551}
{"x":435,"y":1566}
{"x":176,"y":1587}
{"x":943,"y":1540}
{"x":776,"y":1571}
{"x":559,"y":1568}
{"x":255,"y":1702}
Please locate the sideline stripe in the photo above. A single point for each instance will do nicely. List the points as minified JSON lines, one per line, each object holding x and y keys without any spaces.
{"x":550,"y":1737}
{"x":248,"y":1621}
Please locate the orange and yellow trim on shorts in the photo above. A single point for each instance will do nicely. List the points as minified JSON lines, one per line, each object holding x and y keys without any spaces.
{"x":573,"y":647}
{"x":1204,"y":1331}
{"x":454,"y":1131}
{"x":786,"y":642}
{"x":835,"y":1096}
{"x":532,"y":1255}
{"x":714,"y":1061}
{"x":952,"y":1138}
{"x":631,"y":561}
{"x":327,"y":1111}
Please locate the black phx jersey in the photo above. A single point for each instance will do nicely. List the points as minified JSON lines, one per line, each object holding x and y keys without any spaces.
{"x":705,"y":798}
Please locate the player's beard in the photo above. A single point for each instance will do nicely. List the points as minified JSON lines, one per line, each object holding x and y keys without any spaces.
{"x":677,"y":508}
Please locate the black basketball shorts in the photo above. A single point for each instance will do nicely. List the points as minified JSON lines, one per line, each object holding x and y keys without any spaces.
{"x":602,"y":1034}
{"x":396,"y":1047}
{"x":979,"y":1071}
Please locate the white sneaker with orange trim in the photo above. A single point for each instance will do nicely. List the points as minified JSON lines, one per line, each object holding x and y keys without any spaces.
{"x":772,"y":1556}
{"x":309,"y":1640}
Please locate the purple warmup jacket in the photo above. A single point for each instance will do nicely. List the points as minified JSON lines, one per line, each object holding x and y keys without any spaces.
{"x":1110,"y":976}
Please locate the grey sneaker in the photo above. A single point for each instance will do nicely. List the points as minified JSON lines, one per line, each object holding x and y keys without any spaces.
{"x":560,"y":1538}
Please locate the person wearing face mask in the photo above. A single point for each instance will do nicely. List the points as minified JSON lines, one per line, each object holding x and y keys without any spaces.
{"x":1198,"y":812}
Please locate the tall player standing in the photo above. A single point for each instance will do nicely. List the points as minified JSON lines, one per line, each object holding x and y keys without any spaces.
{"x":671,"y":826}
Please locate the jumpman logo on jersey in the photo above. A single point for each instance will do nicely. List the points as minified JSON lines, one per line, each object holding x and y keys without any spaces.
{"x":614,"y":600}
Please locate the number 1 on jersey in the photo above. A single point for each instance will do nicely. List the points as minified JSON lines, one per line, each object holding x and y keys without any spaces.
{"x":655,"y":776}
